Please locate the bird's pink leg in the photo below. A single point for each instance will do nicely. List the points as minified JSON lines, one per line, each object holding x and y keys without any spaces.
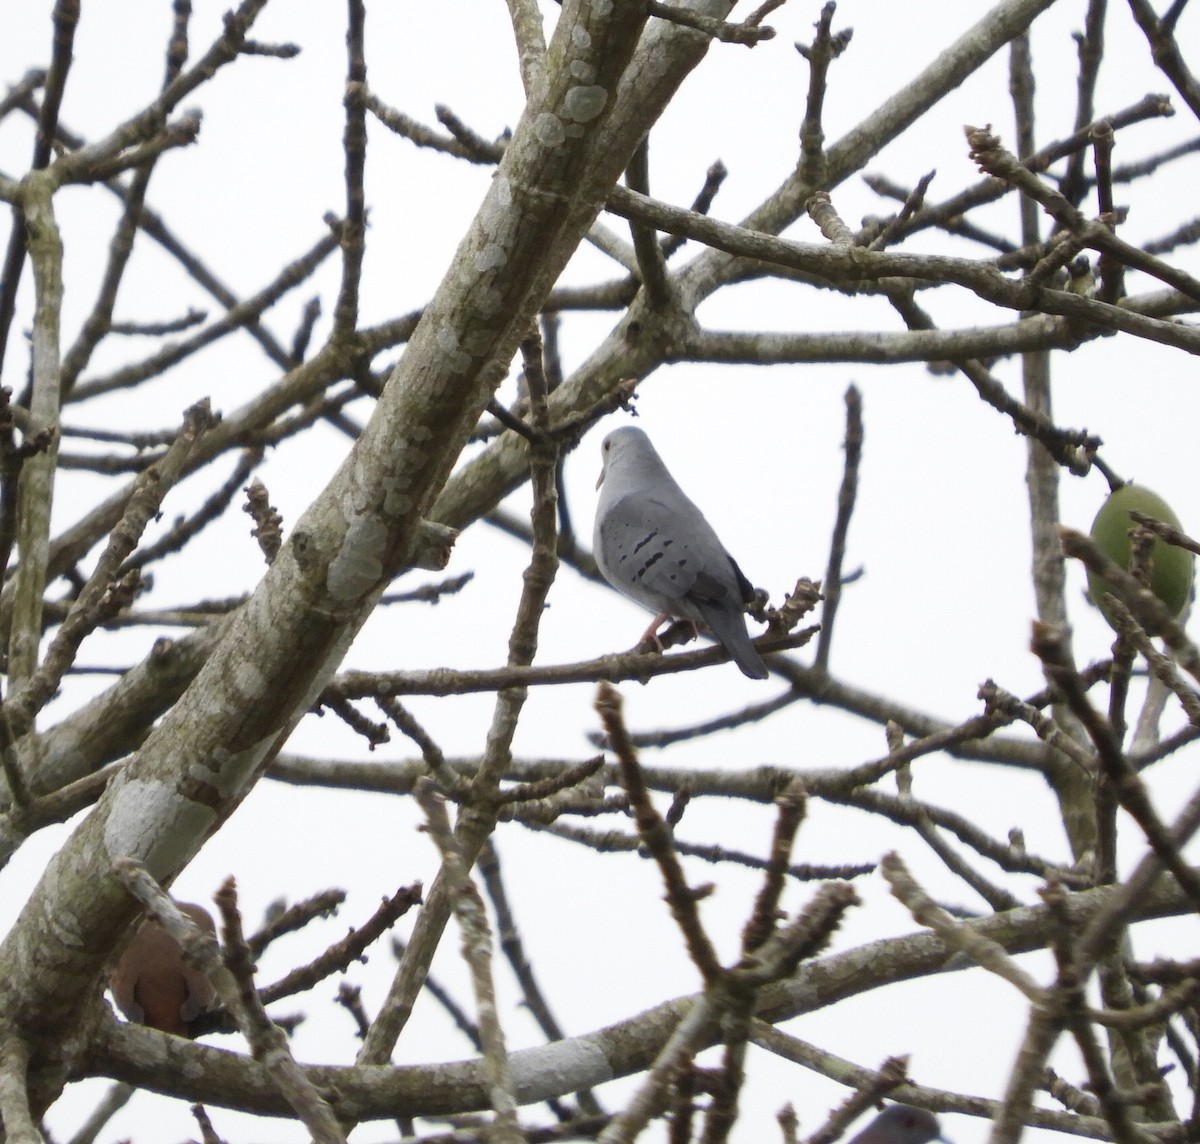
{"x":650,"y":635}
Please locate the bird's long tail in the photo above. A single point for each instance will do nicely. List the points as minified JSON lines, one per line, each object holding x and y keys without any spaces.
{"x":730,"y":629}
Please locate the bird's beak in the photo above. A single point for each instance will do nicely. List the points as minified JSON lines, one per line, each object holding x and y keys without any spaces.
{"x":600,"y":478}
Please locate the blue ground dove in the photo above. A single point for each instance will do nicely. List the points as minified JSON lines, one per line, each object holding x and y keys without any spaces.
{"x":901,"y":1124}
{"x":654,"y":545}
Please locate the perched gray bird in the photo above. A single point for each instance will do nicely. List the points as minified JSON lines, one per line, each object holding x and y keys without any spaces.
{"x":901,"y":1124}
{"x":654,"y":545}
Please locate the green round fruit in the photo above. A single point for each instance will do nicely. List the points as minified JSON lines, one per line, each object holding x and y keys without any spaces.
{"x":1171,"y":567}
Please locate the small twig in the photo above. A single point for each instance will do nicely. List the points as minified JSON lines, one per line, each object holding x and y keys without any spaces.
{"x":723,"y":1108}
{"x":995,"y":160}
{"x":239,"y":315}
{"x":1070,"y":1097}
{"x":1110,"y":270}
{"x":913,"y":202}
{"x":1166,"y":532}
{"x":996,"y":896}
{"x":280,"y":919}
{"x":685,"y":1041}
{"x":349,"y":997}
{"x":791,"y":805}
{"x":1146,"y":607}
{"x":874,"y":1087}
{"x":274,"y":51}
{"x":429,"y":593}
{"x":105,"y":592}
{"x":745,"y":33}
{"x":1051,"y":648}
{"x":304,"y":331}
{"x":806,"y":935}
{"x":350,"y":949}
{"x":682,"y":1113}
{"x":477,"y":952}
{"x":651,"y":260}
{"x":1162,"y":667}
{"x":422,"y":136}
{"x":789,"y":1124}
{"x":445,"y":999}
{"x":468,"y":138}
{"x":352,"y":232}
{"x":1068,"y":997}
{"x":212,"y":510}
{"x":267,"y":1042}
{"x":376,"y":734}
{"x":208,"y":1134}
{"x":448,"y":779}
{"x":66,"y":18}
{"x":996,"y":699}
{"x":821,"y":210}
{"x":570,"y":779}
{"x":628,"y":843}
{"x":702,"y":203}
{"x":268,"y":524}
{"x":654,"y":833}
{"x":825,"y":48}
{"x":117,"y":1096}
{"x":979,"y":949}
{"x":847,"y":494}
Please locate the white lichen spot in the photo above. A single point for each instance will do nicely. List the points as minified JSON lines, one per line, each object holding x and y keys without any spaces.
{"x":487,"y":302}
{"x":420,"y":433}
{"x":396,"y":498}
{"x":133,"y":816}
{"x":549,"y":129}
{"x":505,"y":231}
{"x":139,"y":811}
{"x":456,"y":361}
{"x":231,"y":770}
{"x":396,"y":503}
{"x":581,"y":37}
{"x":410,"y":458}
{"x":585,"y":102}
{"x":248,"y":683}
{"x":565,"y":1066}
{"x":208,"y":773}
{"x":397,"y":482}
{"x":192,"y":1067}
{"x":479,"y":340}
{"x":602,"y":7}
{"x":495,"y":225}
{"x":655,"y":64}
{"x":491,"y":257}
{"x":582,"y":71}
{"x":358,"y":566}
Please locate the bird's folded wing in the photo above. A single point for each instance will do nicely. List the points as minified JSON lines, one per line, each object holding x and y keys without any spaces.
{"x":666,"y":549}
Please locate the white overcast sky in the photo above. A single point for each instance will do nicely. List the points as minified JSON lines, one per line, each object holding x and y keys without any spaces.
{"x":940,"y":530}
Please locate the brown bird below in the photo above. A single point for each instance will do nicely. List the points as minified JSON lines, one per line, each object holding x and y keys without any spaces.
{"x":153,"y":985}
